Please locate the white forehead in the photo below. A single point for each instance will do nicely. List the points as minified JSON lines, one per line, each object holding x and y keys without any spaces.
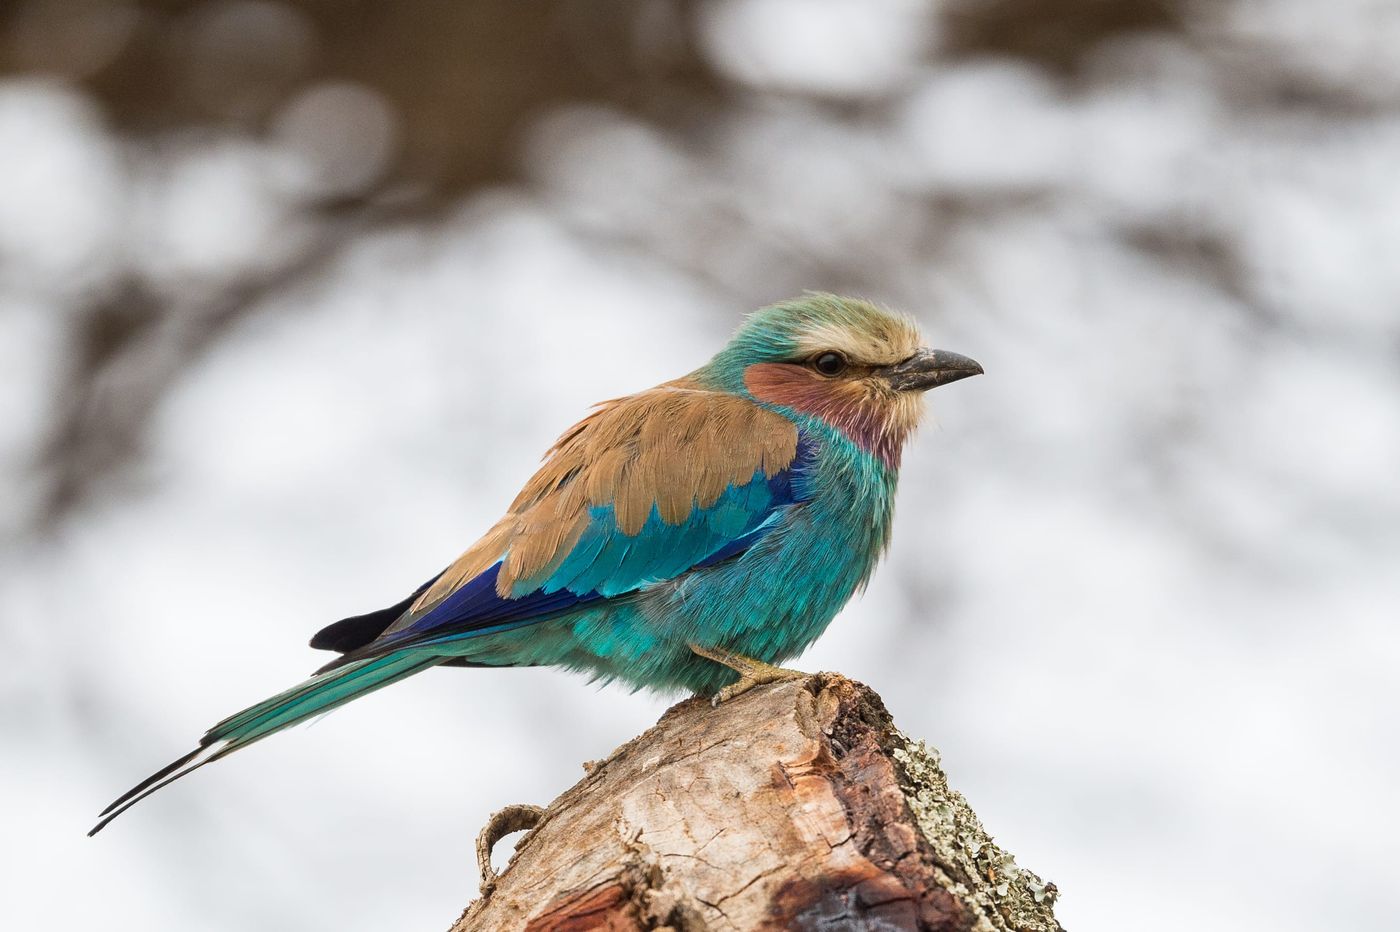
{"x":867,"y":336}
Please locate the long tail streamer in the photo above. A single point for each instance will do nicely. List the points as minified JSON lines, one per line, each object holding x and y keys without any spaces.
{"x":319,"y":694}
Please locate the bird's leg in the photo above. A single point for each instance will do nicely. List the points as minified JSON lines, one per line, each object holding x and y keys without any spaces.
{"x":751,"y":672}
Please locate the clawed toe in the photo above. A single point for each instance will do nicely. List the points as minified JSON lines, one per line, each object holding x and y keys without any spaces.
{"x":751,"y":672}
{"x":759,"y":677}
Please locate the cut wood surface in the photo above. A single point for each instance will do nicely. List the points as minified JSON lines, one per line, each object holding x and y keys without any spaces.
{"x":796,"y":806}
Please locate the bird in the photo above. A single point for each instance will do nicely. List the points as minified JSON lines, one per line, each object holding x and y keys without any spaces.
{"x":689,"y":537}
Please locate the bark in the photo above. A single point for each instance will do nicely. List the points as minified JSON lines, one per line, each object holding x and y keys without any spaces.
{"x":796,"y":806}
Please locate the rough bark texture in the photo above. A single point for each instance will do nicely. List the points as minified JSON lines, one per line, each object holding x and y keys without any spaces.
{"x":796,"y":806}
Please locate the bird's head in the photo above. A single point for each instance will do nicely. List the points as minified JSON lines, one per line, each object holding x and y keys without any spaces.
{"x":858,"y":367}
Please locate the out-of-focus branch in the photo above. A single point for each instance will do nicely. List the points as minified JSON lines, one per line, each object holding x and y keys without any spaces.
{"x":133,"y":345}
{"x":798,"y":806}
{"x":461,"y":79}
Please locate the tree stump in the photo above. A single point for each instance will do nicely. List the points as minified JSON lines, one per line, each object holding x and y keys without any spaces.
{"x":796,"y":806}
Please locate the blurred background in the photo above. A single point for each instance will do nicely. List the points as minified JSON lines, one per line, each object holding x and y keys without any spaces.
{"x":294,"y":294}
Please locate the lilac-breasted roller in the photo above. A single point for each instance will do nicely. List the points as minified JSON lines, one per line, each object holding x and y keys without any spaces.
{"x":690,"y":536}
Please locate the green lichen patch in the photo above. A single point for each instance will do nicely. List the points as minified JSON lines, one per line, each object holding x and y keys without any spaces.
{"x":1010,"y":898}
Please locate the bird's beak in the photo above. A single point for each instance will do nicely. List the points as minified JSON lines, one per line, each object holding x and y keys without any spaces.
{"x":929,"y":368}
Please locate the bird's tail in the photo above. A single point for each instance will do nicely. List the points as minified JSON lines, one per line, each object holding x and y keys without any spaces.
{"x":321,"y":693}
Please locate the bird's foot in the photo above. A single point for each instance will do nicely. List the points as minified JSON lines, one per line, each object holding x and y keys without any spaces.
{"x":751,"y":672}
{"x":766,"y":674}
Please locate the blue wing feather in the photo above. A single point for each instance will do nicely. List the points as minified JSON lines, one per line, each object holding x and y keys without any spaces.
{"x":605,"y":563}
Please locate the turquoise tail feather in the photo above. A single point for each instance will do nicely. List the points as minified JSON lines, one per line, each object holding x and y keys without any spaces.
{"x":319,"y":694}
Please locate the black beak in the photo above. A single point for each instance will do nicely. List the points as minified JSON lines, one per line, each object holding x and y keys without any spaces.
{"x":929,"y":369}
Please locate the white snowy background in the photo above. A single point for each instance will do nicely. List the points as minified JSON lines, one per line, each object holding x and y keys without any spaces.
{"x":1144,"y":591}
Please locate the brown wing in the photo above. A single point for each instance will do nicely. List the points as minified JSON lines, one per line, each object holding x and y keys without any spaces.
{"x":675,"y":447}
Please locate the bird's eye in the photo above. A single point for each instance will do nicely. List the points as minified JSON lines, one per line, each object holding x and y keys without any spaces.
{"x":829,"y":363}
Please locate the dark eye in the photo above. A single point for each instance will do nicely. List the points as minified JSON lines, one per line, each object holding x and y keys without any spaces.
{"x":829,"y":363}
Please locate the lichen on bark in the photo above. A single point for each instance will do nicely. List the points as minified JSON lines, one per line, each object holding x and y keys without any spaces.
{"x":1010,"y":897}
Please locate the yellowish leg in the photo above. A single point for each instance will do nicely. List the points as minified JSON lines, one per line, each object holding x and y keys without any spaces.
{"x":751,"y":672}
